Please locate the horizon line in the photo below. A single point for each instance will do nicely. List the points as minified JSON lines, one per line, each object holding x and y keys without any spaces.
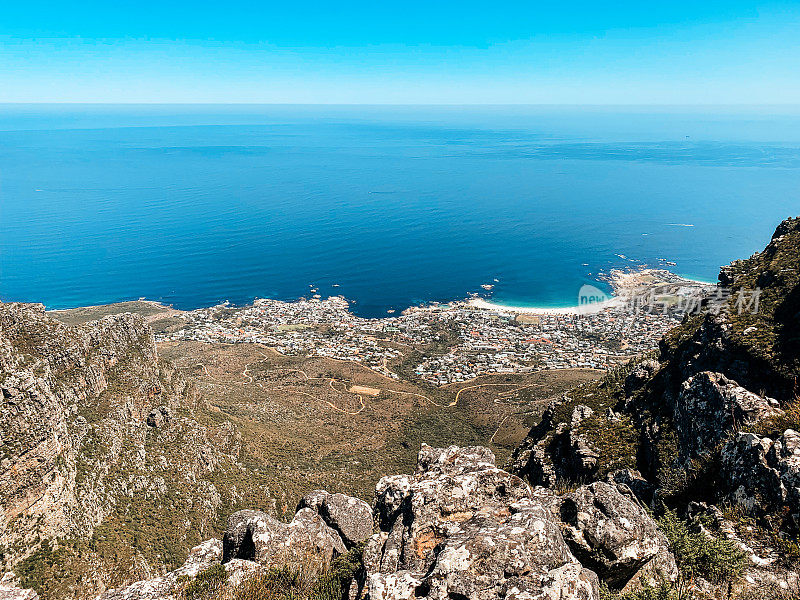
{"x":410,"y":104}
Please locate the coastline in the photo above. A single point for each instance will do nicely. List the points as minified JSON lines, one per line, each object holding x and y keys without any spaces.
{"x":625,"y":285}
{"x":588,"y":309}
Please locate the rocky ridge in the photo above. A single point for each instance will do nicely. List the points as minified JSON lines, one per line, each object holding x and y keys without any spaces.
{"x":711,"y":419}
{"x":459,"y":527}
{"x":98,"y":440}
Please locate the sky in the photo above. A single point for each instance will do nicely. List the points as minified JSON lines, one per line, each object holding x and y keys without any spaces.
{"x":409,"y":52}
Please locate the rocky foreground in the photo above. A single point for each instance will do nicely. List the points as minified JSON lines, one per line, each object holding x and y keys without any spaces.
{"x":458,"y":528}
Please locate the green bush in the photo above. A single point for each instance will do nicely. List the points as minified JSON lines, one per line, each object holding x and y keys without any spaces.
{"x":664,"y":591}
{"x":697,"y":554}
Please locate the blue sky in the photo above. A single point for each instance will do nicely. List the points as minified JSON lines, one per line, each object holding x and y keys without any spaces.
{"x":680,"y":52}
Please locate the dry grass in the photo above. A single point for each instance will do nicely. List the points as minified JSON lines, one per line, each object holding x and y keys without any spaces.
{"x":294,"y":436}
{"x":308,"y":582}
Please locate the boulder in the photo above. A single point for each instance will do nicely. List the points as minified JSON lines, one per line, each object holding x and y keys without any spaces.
{"x":159,"y":416}
{"x":462,"y":528}
{"x":612,"y":534}
{"x":762,"y":474}
{"x":350,"y":517}
{"x":168,"y":587}
{"x":640,"y":375}
{"x":641,"y":488}
{"x":711,"y":406}
{"x":307,"y":542}
{"x":551,"y":453}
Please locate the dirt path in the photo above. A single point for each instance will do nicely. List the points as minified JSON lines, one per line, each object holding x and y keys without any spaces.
{"x":517,"y":387}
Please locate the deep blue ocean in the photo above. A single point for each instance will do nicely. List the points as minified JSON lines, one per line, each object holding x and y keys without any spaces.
{"x":191,"y":205}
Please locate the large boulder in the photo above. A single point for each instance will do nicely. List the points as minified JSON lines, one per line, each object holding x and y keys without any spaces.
{"x":612,"y":534}
{"x":709,"y":407}
{"x":639,"y":375}
{"x":763,"y":474}
{"x":462,"y":528}
{"x":350,"y":517}
{"x":307,"y":542}
{"x":551,"y":453}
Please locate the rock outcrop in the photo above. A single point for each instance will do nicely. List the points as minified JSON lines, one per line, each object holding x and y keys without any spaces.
{"x":710,"y":406}
{"x":555,"y":452}
{"x":462,"y":528}
{"x":307,"y":542}
{"x":612,"y":534}
{"x":763,"y":475}
{"x":720,"y":374}
{"x":458,"y":528}
{"x":711,"y":418}
{"x":349,"y":517}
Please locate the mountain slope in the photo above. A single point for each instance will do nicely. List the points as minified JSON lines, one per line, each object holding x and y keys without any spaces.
{"x":105,"y":476}
{"x":709,"y":418}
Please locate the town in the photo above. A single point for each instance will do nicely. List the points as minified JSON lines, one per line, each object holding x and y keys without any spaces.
{"x":448,"y":343}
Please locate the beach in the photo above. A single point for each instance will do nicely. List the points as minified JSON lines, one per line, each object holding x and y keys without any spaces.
{"x":585,"y":309}
{"x":626,"y":286}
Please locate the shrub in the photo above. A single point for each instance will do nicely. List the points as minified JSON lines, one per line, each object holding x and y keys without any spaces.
{"x":298,"y":584}
{"x":698,"y":554}
{"x":205,"y":583}
{"x":276,"y":584}
{"x":664,"y":591}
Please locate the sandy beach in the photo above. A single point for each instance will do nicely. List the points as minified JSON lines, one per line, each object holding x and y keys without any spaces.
{"x":625,"y":285}
{"x":535,"y":310}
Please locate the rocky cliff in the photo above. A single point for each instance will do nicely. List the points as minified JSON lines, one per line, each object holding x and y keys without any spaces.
{"x":104,"y":475}
{"x":710,"y":420}
{"x":458,"y":528}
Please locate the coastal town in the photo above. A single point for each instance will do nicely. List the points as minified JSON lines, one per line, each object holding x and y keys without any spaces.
{"x":457,"y":341}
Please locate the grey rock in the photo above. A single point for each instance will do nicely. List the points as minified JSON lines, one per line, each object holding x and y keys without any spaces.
{"x":159,"y":416}
{"x":307,"y":542}
{"x":640,"y":375}
{"x":641,"y":488}
{"x":551,"y":453}
{"x":612,"y":534}
{"x":709,"y":407}
{"x":313,"y":500}
{"x":462,"y":528}
{"x":763,"y":475}
{"x":350,"y":517}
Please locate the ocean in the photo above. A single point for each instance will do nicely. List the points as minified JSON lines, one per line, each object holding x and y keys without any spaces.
{"x":388,"y":206}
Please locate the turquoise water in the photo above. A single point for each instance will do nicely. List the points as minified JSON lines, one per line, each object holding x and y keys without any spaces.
{"x":192,"y":205}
